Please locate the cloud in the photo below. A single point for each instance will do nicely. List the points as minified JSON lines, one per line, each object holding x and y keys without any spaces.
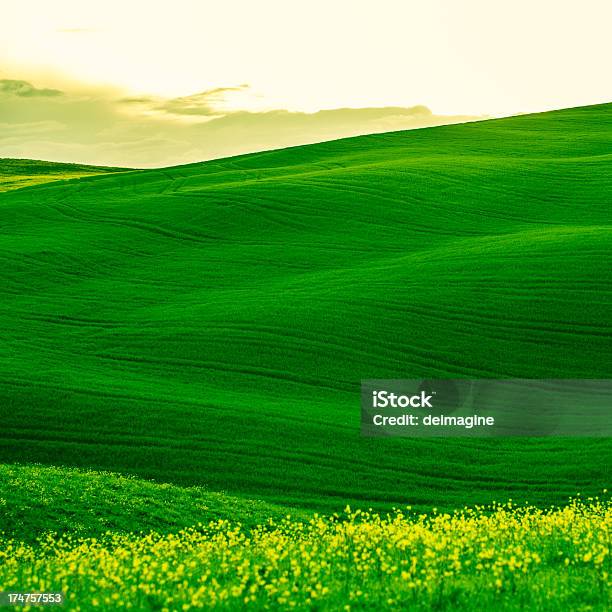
{"x":209,"y":103}
{"x":23,"y":89}
{"x":99,"y":127}
{"x":22,"y":130}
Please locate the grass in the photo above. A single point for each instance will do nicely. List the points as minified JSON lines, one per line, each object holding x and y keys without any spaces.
{"x":36,"y":501}
{"x":508,"y":558}
{"x":209,"y":324}
{"x":18,"y":173}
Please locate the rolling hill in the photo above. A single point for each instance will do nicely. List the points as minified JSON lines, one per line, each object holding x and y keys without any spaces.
{"x":18,"y":173}
{"x":209,"y":324}
{"x":39,"y":500}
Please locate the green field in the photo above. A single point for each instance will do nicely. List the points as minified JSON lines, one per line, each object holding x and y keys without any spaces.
{"x":209,"y":324}
{"x":35,"y":500}
{"x":18,"y":173}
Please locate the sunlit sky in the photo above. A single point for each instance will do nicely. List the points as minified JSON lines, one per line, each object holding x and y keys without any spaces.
{"x":460,"y":58}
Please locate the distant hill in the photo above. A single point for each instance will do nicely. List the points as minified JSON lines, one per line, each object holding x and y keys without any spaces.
{"x":17,"y":173}
{"x":209,"y":324}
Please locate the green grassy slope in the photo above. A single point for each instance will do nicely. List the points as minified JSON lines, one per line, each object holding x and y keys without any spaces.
{"x":17,"y":173}
{"x":210,"y":323}
{"x":35,"y":500}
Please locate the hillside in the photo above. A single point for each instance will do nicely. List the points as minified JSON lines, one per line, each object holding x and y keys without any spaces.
{"x":209,"y":324}
{"x":17,"y":173}
{"x":37,"y":500}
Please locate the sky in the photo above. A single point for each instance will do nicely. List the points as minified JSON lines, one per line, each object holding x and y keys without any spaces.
{"x":142,"y":83}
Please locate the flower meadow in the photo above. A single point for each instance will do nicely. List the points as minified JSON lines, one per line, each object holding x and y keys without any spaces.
{"x":502,"y":557}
